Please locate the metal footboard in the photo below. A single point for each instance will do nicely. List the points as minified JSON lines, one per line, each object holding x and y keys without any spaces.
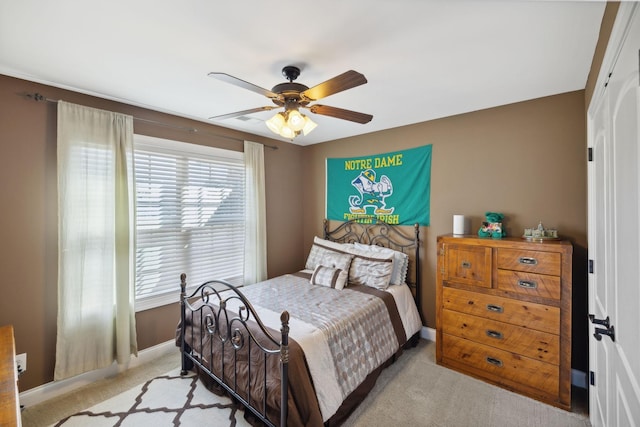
{"x":221,"y":342}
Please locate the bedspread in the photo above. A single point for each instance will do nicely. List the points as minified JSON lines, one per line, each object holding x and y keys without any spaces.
{"x":347,"y":332}
{"x":344,"y":334}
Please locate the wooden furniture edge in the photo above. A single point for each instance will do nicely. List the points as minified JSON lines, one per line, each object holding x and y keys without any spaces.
{"x":9,"y":403}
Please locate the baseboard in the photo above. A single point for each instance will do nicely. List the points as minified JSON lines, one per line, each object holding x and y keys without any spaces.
{"x":428,"y":333}
{"x":57,"y":388}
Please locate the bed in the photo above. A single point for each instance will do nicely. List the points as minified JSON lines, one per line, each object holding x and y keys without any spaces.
{"x":303,"y":349}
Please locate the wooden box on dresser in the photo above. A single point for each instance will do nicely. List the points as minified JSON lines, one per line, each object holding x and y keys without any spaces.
{"x":504,"y":313}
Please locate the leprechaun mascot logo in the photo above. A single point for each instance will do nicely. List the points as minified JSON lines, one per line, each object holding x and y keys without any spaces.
{"x":370,"y":193}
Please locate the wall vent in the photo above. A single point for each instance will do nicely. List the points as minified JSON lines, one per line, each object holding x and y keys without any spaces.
{"x":248,"y":119}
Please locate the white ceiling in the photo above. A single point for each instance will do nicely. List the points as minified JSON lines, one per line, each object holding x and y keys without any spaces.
{"x":422,"y":59}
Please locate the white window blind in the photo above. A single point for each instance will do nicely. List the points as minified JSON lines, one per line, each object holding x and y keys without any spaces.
{"x":189,"y":217}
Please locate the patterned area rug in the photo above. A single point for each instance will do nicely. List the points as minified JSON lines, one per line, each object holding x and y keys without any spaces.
{"x":167,"y":400}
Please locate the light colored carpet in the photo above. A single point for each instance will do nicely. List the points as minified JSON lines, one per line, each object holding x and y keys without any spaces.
{"x":416,"y":391}
{"x":55,"y":409}
{"x":413,"y":391}
{"x":166,"y":400}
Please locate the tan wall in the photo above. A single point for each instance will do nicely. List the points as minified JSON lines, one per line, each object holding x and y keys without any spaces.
{"x":526,"y":160}
{"x":28,"y":217}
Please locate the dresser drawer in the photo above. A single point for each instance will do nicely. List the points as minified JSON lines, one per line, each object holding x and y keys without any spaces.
{"x":520,"y":313}
{"x":469,"y":265}
{"x":540,"y":285}
{"x":529,"y":261}
{"x":503,"y":364}
{"x":537,"y":345}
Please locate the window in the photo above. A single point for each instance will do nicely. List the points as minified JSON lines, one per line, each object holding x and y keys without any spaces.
{"x":189,"y":217}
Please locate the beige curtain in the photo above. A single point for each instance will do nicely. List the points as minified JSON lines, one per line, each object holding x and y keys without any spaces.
{"x":255,"y":260}
{"x":96,"y":229}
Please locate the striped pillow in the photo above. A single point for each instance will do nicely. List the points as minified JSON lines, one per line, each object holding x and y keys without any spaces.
{"x":329,"y":276}
{"x":400,"y":261}
{"x":371,"y":271}
{"x":337,"y":260}
{"x":320,"y":249}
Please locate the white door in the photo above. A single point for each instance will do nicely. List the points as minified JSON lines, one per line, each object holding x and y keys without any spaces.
{"x":614,"y":229}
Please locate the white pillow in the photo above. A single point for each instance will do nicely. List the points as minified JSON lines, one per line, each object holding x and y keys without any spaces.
{"x":400,"y":261}
{"x":328,"y":276}
{"x":337,"y":260}
{"x":371,"y":271}
{"x":320,"y":248}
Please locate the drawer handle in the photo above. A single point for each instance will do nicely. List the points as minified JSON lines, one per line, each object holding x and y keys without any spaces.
{"x":494,"y":361}
{"x":466,"y":264}
{"x":527,"y":284}
{"x":495,"y":308}
{"x":494,"y":334}
{"x":527,"y":260}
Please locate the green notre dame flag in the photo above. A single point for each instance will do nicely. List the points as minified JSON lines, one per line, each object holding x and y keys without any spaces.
{"x":394,"y":187}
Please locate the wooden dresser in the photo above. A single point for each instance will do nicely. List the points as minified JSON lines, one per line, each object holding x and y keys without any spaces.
{"x":9,"y":404}
{"x":504,"y":313}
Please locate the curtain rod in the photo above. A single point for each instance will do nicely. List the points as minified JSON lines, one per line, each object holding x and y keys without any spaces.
{"x":41,"y":98}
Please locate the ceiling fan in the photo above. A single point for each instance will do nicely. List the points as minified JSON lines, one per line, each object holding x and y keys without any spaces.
{"x":294,"y":96}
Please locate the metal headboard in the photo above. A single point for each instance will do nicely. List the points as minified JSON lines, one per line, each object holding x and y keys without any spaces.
{"x":377,"y":232}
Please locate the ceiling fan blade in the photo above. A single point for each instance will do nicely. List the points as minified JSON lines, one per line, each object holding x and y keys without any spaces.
{"x":344,"y":81}
{"x":339,"y":113}
{"x":245,"y":85}
{"x":243,"y":112}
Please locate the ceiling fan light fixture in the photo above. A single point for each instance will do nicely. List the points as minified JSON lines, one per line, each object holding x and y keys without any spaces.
{"x":290,"y":124}
{"x":309,"y":125}
{"x":295,"y":120}
{"x":287,"y":132}
{"x":276,"y":123}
